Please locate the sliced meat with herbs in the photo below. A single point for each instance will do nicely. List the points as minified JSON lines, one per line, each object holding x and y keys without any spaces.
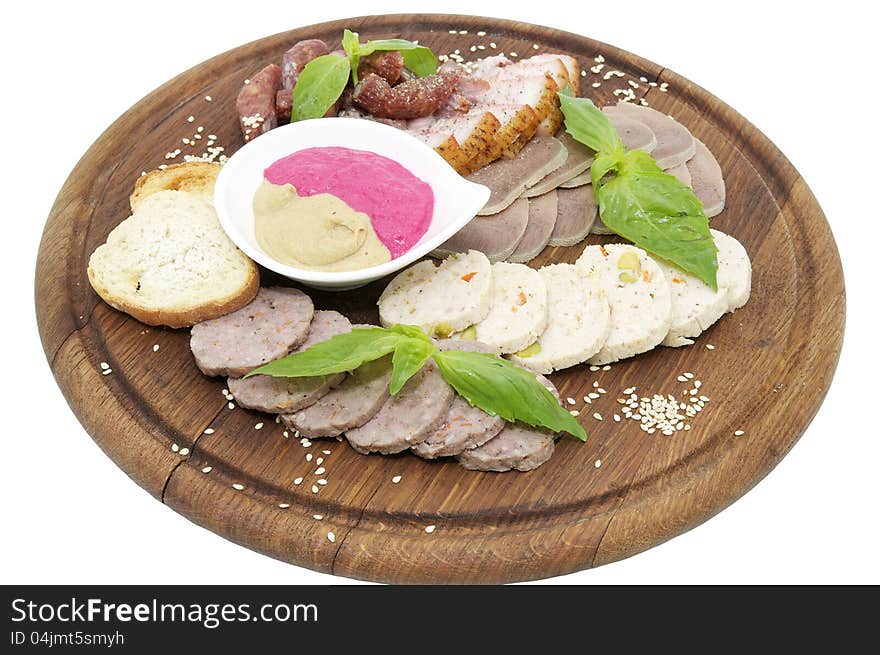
{"x":354,"y":402}
{"x":497,"y":236}
{"x":407,"y":418}
{"x":273,"y":324}
{"x":255,"y":103}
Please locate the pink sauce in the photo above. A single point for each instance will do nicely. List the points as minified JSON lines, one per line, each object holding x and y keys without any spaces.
{"x":399,"y":204}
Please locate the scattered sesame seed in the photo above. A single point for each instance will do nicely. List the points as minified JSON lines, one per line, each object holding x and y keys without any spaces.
{"x":709,"y":346}
{"x":430,"y":528}
{"x":453,"y":31}
{"x":190,"y":119}
{"x":597,"y":416}
{"x":593,"y":395}
{"x":207,"y":469}
{"x":237,"y":487}
{"x":682,"y":378}
{"x":535,"y":46}
{"x":599,"y":59}
{"x":462,"y":31}
{"x":689,"y":375}
{"x":597,"y":463}
{"x":319,"y":461}
{"x":258,"y":426}
{"x":326,"y":452}
{"x":283,"y":505}
{"x":492,"y":45}
{"x":594,"y":368}
{"x":570,"y":401}
{"x":208,"y":98}
{"x":155,"y":347}
{"x":574,"y":412}
{"x":596,"y":85}
{"x":513,"y":54}
{"x":739,"y":433}
{"x":687,"y":427}
{"x":107,"y":371}
{"x":318,"y":517}
{"x":481,"y":33}
{"x":184,"y":451}
{"x":298,"y":481}
{"x":322,"y":482}
{"x":396,"y":479}
{"x":617,"y":418}
{"x":331,"y":537}
{"x":309,"y":457}
{"x":601,"y":390}
{"x":231,"y":405}
{"x":320,"y":470}
{"x":315,"y":489}
{"x":285,"y":434}
{"x":174,"y":447}
{"x":596,"y":384}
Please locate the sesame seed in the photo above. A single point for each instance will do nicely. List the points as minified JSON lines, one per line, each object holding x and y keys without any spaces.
{"x":462,"y":31}
{"x":709,"y":346}
{"x":322,"y":482}
{"x":593,"y":395}
{"x":453,"y":32}
{"x":285,"y":434}
{"x":208,"y":98}
{"x":682,"y":378}
{"x":473,"y":48}
{"x":597,"y":463}
{"x":309,"y":457}
{"x":320,"y":470}
{"x":689,"y":375}
{"x":617,"y":418}
{"x":326,"y":452}
{"x":491,"y":44}
{"x":599,"y":59}
{"x":513,"y":54}
{"x":396,"y":479}
{"x":481,"y":33}
{"x":237,"y":487}
{"x":570,"y":401}
{"x":155,"y":347}
{"x":231,"y":405}
{"x":331,"y":537}
{"x":574,"y":412}
{"x":258,"y":426}
{"x":601,"y":390}
{"x":104,"y":366}
{"x":597,"y":416}
{"x":319,"y":461}
{"x":184,"y":451}
{"x":596,"y":85}
{"x":594,"y":368}
{"x":298,"y":481}
{"x":107,"y":371}
{"x":190,"y":119}
{"x":318,"y":517}
{"x":739,"y":433}
{"x":596,"y":385}
{"x":535,"y":46}
{"x":283,"y":505}
{"x":174,"y":447}
{"x":315,"y":489}
{"x":430,"y":528}
{"x":207,"y":469}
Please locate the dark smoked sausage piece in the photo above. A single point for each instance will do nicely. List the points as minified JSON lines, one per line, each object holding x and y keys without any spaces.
{"x":295,"y":59}
{"x":411,"y":99}
{"x":388,"y":65}
{"x":256,"y":102}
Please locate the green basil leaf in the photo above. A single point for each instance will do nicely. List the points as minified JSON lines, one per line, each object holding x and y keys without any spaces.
{"x":352,"y":48}
{"x":586,"y":123}
{"x":660,"y":214}
{"x":410,"y":331}
{"x":320,"y":84}
{"x":503,"y":389}
{"x":344,"y":352}
{"x":418,"y":58}
{"x":409,"y":357}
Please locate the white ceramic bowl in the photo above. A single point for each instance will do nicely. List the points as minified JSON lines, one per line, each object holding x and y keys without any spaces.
{"x":456,"y":201}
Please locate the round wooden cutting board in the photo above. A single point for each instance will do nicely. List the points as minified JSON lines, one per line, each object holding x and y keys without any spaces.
{"x":233,"y":470}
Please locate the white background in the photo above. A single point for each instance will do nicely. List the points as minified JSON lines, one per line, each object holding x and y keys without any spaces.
{"x":805,"y":76}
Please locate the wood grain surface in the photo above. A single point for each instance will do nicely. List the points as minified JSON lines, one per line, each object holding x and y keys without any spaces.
{"x":767,"y":375}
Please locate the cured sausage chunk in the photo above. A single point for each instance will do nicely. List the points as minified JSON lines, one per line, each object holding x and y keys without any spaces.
{"x":270,"y":394}
{"x":387,"y":65}
{"x":256,"y":102}
{"x":407,"y":418}
{"x":274,"y":323}
{"x":295,"y":59}
{"x":411,"y":99}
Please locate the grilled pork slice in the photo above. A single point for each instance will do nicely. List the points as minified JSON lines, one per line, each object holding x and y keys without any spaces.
{"x":497,"y":236}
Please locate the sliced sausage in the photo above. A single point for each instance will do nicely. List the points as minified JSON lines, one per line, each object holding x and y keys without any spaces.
{"x":256,"y":102}
{"x":274,"y":323}
{"x":351,"y":404}
{"x":408,"y":417}
{"x":283,"y":106}
{"x":411,"y":99}
{"x":295,"y":59}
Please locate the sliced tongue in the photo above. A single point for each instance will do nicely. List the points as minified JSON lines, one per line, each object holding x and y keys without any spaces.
{"x":707,"y":180}
{"x":579,"y":159}
{"x":508,"y":178}
{"x":675,"y":144}
{"x":575,"y":215}
{"x":496,"y":236}
{"x":542,"y":219}
{"x":681,"y":172}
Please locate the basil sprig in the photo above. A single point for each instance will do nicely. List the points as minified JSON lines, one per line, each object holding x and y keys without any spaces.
{"x":491,"y":383}
{"x":417,"y":58}
{"x":322,"y":80}
{"x":638,"y":200}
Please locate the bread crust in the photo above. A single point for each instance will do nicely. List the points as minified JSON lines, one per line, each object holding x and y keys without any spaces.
{"x":191,"y":177}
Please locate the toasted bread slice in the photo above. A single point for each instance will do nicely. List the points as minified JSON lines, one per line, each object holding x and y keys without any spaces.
{"x":170,"y":262}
